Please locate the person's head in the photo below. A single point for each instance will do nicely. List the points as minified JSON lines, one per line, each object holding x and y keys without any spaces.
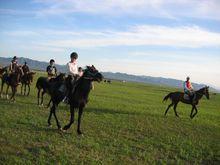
{"x":25,"y":63}
{"x":52,"y":62}
{"x":14,"y":59}
{"x":187,"y":78}
{"x":73,"y":56}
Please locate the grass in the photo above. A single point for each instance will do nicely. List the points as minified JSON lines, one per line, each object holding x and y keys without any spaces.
{"x":122,"y":124}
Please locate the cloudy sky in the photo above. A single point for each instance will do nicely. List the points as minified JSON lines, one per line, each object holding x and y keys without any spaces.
{"x":167,"y":38}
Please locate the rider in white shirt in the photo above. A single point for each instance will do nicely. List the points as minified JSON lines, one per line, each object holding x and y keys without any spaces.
{"x":72,"y":68}
{"x":73,"y":72}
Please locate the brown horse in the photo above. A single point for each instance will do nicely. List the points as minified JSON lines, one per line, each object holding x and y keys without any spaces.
{"x":12,"y":81}
{"x":2,"y":71}
{"x":177,"y":97}
{"x":26,"y":81}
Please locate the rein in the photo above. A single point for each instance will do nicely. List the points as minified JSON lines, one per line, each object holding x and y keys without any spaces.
{"x":198,"y":93}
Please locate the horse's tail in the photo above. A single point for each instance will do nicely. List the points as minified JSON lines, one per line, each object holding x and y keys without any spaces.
{"x":167,"y":97}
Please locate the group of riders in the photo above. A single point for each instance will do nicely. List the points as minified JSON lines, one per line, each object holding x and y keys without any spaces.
{"x":74,"y":71}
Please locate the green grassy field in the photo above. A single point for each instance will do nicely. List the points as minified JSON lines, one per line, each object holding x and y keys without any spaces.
{"x":122,"y":124}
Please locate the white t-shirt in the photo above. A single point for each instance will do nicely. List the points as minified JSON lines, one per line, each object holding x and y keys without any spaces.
{"x":72,"y":68}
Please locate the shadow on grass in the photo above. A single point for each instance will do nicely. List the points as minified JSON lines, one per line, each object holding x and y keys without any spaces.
{"x":100,"y":111}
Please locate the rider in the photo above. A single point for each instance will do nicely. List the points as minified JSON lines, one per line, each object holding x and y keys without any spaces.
{"x":51,"y":69}
{"x":25,"y":68}
{"x":14,"y":67}
{"x":188,"y":89}
{"x":73,"y":73}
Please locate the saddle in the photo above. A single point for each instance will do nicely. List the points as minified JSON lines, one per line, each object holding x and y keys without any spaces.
{"x":187,"y":97}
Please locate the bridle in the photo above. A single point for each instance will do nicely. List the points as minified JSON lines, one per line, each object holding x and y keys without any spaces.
{"x":89,"y":78}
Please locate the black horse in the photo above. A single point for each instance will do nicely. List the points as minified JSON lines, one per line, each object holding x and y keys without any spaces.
{"x":176,"y":97}
{"x":44,"y":84}
{"x":78,"y":96}
{"x":26,"y":81}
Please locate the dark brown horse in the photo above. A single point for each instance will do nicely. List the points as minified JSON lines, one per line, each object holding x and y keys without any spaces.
{"x":43,"y":85}
{"x":26,"y":81}
{"x":2,"y":71}
{"x":177,"y":97}
{"x":12,"y":80}
{"x":78,"y":96}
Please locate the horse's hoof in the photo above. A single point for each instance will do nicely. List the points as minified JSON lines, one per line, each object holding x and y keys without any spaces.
{"x":50,"y":125}
{"x":65,"y":128}
{"x":79,"y":132}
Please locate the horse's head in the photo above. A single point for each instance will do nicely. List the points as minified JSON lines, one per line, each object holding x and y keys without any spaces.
{"x":3,"y":70}
{"x":19,"y":70}
{"x":206,"y":91}
{"x":92,"y":73}
{"x":60,"y":77}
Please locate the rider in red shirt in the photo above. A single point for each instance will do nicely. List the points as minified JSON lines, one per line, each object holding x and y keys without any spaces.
{"x":188,"y":89}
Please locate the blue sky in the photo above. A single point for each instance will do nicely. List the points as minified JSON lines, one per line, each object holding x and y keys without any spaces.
{"x":167,"y":38}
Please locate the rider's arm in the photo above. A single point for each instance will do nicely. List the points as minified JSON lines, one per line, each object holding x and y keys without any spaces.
{"x":10,"y":67}
{"x":55,"y":70}
{"x":191,"y":87}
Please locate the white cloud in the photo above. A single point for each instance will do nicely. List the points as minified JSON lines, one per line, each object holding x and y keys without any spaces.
{"x":142,"y":35}
{"x":209,"y":9}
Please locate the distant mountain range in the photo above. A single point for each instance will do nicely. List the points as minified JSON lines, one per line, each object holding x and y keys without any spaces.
{"x":41,"y":66}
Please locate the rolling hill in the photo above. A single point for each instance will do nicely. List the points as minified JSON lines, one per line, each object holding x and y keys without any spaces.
{"x":39,"y":65}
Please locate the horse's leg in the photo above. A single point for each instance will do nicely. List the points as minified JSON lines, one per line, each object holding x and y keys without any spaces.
{"x":195,"y":113}
{"x":174,"y":108}
{"x":22,"y":88}
{"x":25,"y":89}
{"x":42,"y":97}
{"x":29,"y":89}
{"x":38,"y":97}
{"x":71,"y":118}
{"x":7,"y":97}
{"x":14,"y":90}
{"x":168,"y":108}
{"x":49,"y":118}
{"x":2,"y":85}
{"x":79,"y":120}
{"x":48,"y":105}
{"x":193,"y":107}
{"x":54,"y":113}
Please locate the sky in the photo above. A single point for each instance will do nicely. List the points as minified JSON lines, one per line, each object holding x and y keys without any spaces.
{"x":161,"y":38}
